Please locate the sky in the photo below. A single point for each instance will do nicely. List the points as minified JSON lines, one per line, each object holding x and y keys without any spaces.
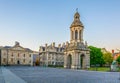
{"x":36,"y":22}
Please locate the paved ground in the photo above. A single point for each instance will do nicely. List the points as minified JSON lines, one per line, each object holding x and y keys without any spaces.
{"x":52,"y":75}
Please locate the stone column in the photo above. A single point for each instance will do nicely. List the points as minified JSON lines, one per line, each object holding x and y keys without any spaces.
{"x":47,"y":59}
{"x":82,"y":35}
{"x":78,"y":35}
{"x":71,"y":34}
{"x":73,"y":61}
{"x":54,"y":59}
{"x":65,"y":60}
{"x":78,"y":61}
{"x":88,"y":60}
{"x":74,"y":35}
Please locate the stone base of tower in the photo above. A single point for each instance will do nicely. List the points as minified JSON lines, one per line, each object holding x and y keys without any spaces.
{"x":75,"y":67}
{"x":65,"y":67}
{"x":72,"y":67}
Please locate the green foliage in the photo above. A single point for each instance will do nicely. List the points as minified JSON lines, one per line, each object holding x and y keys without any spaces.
{"x":96,"y":56}
{"x":107,"y":58}
{"x":105,"y":69}
{"x":118,"y":60}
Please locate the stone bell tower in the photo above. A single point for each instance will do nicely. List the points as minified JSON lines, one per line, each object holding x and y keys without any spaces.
{"x":76,"y":54}
{"x":76,"y":29}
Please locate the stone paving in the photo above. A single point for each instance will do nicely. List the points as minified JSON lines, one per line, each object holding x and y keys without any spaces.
{"x":53,"y":75}
{"x":1,"y":76}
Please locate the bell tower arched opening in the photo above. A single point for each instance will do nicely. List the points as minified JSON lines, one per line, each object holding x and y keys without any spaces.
{"x":76,"y":34}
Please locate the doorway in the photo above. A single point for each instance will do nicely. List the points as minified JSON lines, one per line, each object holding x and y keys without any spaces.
{"x":82,"y":57}
{"x":18,"y":62}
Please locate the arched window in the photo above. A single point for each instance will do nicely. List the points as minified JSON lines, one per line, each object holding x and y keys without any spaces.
{"x":76,"y":34}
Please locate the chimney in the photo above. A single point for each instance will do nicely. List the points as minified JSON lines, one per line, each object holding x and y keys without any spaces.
{"x":46,"y":45}
{"x":59,"y":45}
{"x":17,"y":43}
{"x":53,"y":44}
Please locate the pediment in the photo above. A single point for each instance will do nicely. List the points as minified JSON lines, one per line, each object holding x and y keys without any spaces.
{"x":17,"y":48}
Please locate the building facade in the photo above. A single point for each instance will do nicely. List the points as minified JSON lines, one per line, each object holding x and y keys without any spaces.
{"x":51,"y":55}
{"x":15,"y":55}
{"x":76,"y":53}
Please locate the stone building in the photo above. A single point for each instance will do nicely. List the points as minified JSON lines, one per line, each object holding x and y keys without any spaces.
{"x":76,"y":53}
{"x":15,"y":55}
{"x":51,"y":55}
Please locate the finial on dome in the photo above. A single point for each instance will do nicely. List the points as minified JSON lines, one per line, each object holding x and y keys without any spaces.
{"x":76,"y":9}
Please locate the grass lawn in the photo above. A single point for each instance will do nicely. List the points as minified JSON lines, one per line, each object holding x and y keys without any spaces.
{"x":101,"y":69}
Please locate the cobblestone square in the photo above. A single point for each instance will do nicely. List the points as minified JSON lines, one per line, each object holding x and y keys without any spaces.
{"x":54,"y":75}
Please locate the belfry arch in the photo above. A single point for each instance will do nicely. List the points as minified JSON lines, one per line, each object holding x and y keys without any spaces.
{"x":76,"y":34}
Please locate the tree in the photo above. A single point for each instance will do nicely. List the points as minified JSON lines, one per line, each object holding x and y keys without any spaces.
{"x":118,"y":60}
{"x":108,"y":58}
{"x":96,"y":56}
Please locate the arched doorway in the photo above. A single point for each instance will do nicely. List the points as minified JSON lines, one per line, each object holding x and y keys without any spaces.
{"x":69,"y":61}
{"x":18,"y":62}
{"x":82,"y":59}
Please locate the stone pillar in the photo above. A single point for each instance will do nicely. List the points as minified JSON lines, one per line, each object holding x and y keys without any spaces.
{"x":88,"y":60}
{"x":79,"y":61}
{"x":84,"y":61}
{"x":78,"y":35}
{"x":81,"y":35}
{"x":65,"y":60}
{"x":54,"y":59}
{"x":47,"y":59}
{"x":73,"y":61}
{"x":76,"y":61}
{"x":71,"y":35}
{"x":78,"y":66}
{"x":74,"y":35}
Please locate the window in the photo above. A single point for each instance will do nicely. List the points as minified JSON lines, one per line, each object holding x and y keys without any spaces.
{"x":24,"y":60}
{"x":60,"y":49}
{"x":30,"y":55}
{"x":24,"y":55}
{"x":43,"y":49}
{"x":18,"y":54}
{"x":12,"y":55}
{"x":30,"y":61}
{"x":4,"y":59}
{"x":57,"y":49}
{"x":11,"y":59}
{"x":76,"y":17}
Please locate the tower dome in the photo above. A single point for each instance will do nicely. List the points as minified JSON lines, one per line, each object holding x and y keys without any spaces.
{"x":76,"y":21}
